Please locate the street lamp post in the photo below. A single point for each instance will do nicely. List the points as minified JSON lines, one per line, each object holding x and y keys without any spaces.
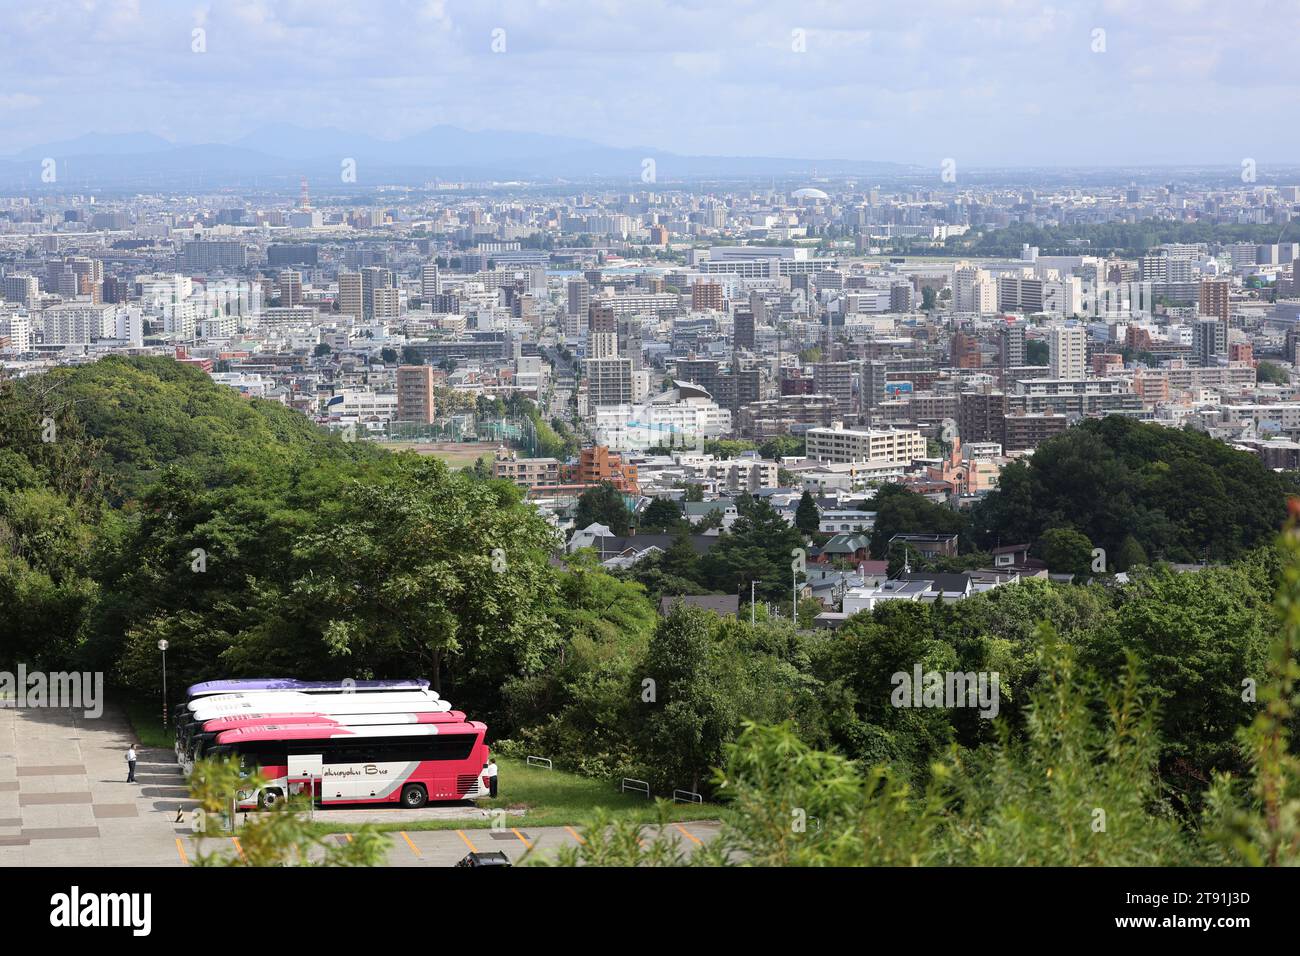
{"x":162,"y":646}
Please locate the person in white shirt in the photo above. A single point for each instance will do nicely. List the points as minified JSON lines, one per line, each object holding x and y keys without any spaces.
{"x":490,"y":771}
{"x":130,"y":764}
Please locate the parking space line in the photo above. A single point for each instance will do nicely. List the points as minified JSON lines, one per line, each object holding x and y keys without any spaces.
{"x":576,"y":835}
{"x":522,"y":838}
{"x":461,"y":834}
{"x":689,"y":835}
{"x":180,"y":848}
{"x":235,"y":841}
{"x":414,"y":848}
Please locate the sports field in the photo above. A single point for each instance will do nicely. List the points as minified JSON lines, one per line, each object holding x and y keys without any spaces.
{"x":455,"y":454}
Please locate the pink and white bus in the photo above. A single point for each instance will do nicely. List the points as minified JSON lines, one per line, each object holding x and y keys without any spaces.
{"x":373,"y":706}
{"x":410,"y":764}
{"x":204,"y":736}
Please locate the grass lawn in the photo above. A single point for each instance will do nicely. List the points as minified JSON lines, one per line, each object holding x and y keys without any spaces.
{"x":146,"y":718}
{"x":453,"y":454}
{"x":552,"y":798}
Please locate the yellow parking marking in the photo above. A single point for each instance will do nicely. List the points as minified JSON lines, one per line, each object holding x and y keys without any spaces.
{"x":235,"y":841}
{"x":521,"y":837}
{"x":689,"y":835}
{"x":574,"y":833}
{"x":414,"y":849}
{"x":472,"y":847}
{"x":180,"y":848}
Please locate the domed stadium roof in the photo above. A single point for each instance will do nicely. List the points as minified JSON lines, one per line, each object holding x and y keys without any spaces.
{"x":809,"y":193}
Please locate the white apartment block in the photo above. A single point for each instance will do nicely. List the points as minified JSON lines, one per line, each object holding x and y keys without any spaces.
{"x":71,"y":324}
{"x":840,"y":444}
{"x":647,"y":425}
{"x":1068,"y":352}
{"x":17,"y":329}
{"x":974,"y":290}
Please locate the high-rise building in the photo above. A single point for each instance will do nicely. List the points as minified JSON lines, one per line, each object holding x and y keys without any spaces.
{"x":386,"y":303}
{"x":578,"y":300}
{"x":1011,"y":345}
{"x":609,"y":381}
{"x":350,"y":294}
{"x":706,"y":296}
{"x":415,"y":394}
{"x":743,"y":330}
{"x":15,"y":332}
{"x":373,"y":278}
{"x":1067,"y":351}
{"x":1209,"y":340}
{"x":979,"y":416}
{"x":836,"y":379}
{"x":23,"y":289}
{"x":965,"y":352}
{"x":902,"y":297}
{"x":430,"y":281}
{"x":601,"y":316}
{"x":1214,"y":299}
{"x":290,"y":288}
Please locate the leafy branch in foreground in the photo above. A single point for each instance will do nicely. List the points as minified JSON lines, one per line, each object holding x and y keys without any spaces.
{"x":1267,"y":831}
{"x":279,"y":836}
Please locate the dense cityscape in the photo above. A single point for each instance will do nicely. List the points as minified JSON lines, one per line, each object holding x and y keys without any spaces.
{"x":657,"y":339}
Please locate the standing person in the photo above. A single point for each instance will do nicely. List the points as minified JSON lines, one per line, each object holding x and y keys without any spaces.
{"x":490,"y":771}
{"x":130,"y":764}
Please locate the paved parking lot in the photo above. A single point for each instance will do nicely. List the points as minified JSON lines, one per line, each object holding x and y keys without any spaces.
{"x":64,"y":800}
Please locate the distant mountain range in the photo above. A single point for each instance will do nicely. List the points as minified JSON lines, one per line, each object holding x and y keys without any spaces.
{"x":275,"y":156}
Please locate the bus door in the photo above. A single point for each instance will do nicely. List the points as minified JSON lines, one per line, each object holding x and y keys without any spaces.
{"x":305,"y":773}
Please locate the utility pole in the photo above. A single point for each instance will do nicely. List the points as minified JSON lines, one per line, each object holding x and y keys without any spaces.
{"x":794,"y":597}
{"x":752,"y":621}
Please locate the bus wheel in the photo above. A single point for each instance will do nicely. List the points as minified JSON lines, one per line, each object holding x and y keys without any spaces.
{"x":414,"y":795}
{"x":269,"y":798}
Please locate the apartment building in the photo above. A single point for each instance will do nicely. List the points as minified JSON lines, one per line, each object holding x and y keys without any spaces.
{"x":840,"y":444}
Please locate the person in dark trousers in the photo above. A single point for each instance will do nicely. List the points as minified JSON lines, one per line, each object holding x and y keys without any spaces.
{"x":130,"y":764}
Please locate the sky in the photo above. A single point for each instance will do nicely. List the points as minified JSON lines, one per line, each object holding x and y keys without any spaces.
{"x":984,"y":82}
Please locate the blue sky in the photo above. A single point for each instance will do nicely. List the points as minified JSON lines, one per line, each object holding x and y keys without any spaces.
{"x":988,"y":82}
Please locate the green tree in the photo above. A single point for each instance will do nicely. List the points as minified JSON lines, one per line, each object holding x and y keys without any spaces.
{"x":1131,"y":555}
{"x":430,"y":567}
{"x":690,"y":714}
{"x":1196,"y":636}
{"x":758,"y":547}
{"x":900,"y":511}
{"x":1066,"y":551}
{"x":661,"y":515}
{"x":604,"y":505}
{"x":807,"y":517}
{"x":1270,"y":373}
